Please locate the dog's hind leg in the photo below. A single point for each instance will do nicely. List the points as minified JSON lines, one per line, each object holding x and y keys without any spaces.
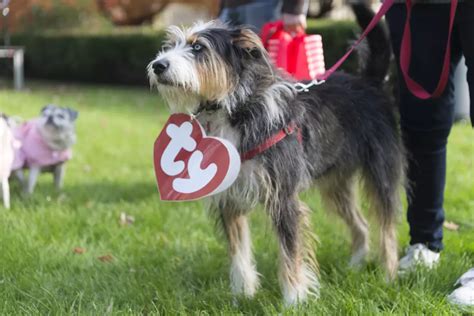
{"x":339,"y":196}
{"x":6,"y":192}
{"x":298,"y":265}
{"x":243,"y":274}
{"x":383,"y":177}
{"x":384,"y":202}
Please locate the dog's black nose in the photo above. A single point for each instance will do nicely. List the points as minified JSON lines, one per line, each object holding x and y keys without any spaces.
{"x":160,"y":66}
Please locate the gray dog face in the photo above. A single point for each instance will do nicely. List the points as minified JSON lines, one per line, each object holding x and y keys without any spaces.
{"x":58,"y":117}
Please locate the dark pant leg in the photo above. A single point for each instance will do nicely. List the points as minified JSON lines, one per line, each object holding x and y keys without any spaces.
{"x":425,"y":123}
{"x":465,"y":24}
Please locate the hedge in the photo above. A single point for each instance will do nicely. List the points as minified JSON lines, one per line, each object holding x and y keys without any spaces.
{"x":122,"y":58}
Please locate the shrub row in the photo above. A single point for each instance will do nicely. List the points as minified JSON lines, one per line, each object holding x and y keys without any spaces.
{"x":91,"y":58}
{"x":122,"y":58}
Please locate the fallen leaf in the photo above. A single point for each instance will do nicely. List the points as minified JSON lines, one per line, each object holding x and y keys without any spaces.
{"x":106,"y":258}
{"x":79,"y":250}
{"x":451,"y":226}
{"x":89,"y":204}
{"x":126,"y":219}
{"x":62,"y":197}
{"x":103,"y":123}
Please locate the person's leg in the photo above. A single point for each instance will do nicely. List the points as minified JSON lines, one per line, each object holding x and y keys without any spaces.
{"x":466,"y":30}
{"x":464,"y":295}
{"x":425,"y":123}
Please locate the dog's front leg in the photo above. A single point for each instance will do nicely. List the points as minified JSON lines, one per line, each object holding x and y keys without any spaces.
{"x":58,"y":174}
{"x":243,"y":274}
{"x":32,"y":178}
{"x":6,"y":192}
{"x":20,"y":177}
{"x":298,"y":266}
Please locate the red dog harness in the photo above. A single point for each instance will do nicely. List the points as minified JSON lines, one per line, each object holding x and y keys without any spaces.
{"x":269,"y":142}
{"x":290,"y":129}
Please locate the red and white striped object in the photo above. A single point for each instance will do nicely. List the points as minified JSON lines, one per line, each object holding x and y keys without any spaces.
{"x":278,"y":51}
{"x":301,"y":56}
{"x":309,"y":58}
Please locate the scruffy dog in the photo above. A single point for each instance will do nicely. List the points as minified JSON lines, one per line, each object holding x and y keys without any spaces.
{"x":347,"y":129}
{"x":46,"y":144}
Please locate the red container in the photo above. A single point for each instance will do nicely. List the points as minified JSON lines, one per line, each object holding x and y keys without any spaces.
{"x":276,"y":42}
{"x":301,"y":56}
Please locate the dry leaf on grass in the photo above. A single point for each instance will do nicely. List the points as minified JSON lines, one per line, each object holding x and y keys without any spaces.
{"x":106,"y":258}
{"x":79,"y":250}
{"x":451,"y":226}
{"x":126,"y":219}
{"x":62,"y":198}
{"x":89,"y":204}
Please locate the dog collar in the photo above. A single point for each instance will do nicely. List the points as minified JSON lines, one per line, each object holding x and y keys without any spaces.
{"x":276,"y":138}
{"x":206,"y":107}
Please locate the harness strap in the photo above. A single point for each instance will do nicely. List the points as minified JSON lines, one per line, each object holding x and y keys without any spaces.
{"x":269,"y":142}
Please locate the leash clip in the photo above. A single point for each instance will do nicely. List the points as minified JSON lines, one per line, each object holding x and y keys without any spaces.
{"x":288,"y":130}
{"x":301,"y":87}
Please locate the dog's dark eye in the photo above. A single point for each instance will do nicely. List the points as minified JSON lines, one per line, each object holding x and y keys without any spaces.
{"x":197,"y":47}
{"x":61,"y":116}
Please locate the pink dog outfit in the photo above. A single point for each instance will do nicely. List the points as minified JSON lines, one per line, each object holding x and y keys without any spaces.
{"x":33,"y":150}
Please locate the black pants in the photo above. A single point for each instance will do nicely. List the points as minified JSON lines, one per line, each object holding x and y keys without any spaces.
{"x":426,"y":123}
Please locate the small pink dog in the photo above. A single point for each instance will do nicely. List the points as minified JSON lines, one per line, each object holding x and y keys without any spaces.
{"x":34,"y":152}
{"x":46,"y":144}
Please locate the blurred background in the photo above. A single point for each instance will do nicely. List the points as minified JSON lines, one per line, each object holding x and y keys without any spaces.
{"x":111,"y":41}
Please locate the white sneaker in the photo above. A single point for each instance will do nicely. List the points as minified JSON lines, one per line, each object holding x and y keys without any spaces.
{"x":418,"y":255}
{"x":464,"y":295}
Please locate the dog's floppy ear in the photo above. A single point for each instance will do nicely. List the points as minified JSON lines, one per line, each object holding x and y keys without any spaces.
{"x":73,"y":114}
{"x":47,"y":107}
{"x":247,"y":40}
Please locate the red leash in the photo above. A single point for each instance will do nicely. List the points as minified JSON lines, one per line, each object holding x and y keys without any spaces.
{"x":405,"y":54}
{"x":387,"y":4}
{"x":405,"y":58}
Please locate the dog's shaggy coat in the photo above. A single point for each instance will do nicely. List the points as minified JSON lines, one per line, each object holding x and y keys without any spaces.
{"x":223,"y":76}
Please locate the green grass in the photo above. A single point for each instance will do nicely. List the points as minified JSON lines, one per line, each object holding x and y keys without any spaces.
{"x":170,"y":261}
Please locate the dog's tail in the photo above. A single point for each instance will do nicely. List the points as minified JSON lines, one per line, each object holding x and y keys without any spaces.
{"x":375,"y":59}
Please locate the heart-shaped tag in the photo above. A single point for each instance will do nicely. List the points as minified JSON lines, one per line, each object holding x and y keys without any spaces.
{"x":190,"y":165}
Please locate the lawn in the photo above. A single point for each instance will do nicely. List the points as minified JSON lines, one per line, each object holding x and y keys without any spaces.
{"x":170,"y":260}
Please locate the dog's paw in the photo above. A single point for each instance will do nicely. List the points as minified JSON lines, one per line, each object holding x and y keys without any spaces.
{"x":359,"y":258}
{"x":244,"y":280}
{"x":301,"y":290}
